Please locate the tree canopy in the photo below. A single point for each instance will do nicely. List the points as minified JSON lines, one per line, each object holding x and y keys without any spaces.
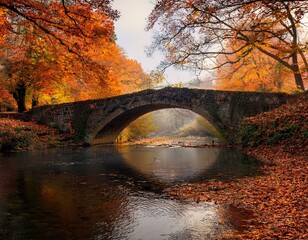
{"x":54,"y":46}
{"x":194,"y":33}
{"x":61,"y":21}
{"x":62,"y":50}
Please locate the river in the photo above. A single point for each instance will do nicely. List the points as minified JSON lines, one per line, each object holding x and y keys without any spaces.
{"x":109,"y":192}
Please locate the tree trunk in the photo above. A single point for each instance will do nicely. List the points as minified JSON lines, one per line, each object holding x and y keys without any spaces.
{"x":299,"y":81}
{"x":35,"y":100}
{"x":20,"y":96}
{"x":297,"y":75}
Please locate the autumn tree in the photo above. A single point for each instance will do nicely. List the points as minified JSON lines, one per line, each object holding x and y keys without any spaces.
{"x":29,"y":63}
{"x":6,"y":102}
{"x":199,"y":126}
{"x":128,"y":73}
{"x":25,"y":63}
{"x":193,"y":33}
{"x":65,"y":22}
{"x":137,"y":129}
{"x":153,"y":79}
{"x":258,"y":72}
{"x":53,"y":35}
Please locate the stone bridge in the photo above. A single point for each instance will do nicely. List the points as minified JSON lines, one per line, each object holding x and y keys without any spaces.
{"x":101,"y":120}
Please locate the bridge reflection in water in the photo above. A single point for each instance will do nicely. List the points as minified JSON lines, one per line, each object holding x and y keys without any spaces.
{"x":169,"y":164}
{"x":108,"y":193}
{"x":176,"y":165}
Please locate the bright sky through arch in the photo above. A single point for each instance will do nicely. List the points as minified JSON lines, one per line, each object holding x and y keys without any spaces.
{"x":132,"y":37}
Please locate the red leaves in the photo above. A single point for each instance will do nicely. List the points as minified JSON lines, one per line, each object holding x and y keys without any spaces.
{"x":278,"y":199}
{"x":16,"y":135}
{"x":52,"y":49}
{"x":286,"y":126}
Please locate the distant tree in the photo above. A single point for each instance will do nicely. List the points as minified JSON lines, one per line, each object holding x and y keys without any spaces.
{"x":153,"y":79}
{"x":128,"y":72}
{"x":199,"y":126}
{"x":137,"y":129}
{"x":193,"y":33}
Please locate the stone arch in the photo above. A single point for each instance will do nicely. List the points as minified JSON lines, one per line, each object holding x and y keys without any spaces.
{"x":109,"y":127}
{"x":223,"y":109}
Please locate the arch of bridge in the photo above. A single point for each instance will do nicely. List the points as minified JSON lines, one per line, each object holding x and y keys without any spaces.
{"x":106,"y":118}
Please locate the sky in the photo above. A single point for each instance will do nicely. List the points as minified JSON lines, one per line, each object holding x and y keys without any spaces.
{"x":132,"y":37}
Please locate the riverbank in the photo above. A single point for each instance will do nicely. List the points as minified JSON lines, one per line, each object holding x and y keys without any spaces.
{"x":276,"y":201}
{"x":17,"y":135}
{"x":275,"y":204}
{"x":271,"y":206}
{"x":191,"y":141}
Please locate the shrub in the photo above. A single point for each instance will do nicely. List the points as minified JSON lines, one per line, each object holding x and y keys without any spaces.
{"x":14,"y":141}
{"x":250,"y":135}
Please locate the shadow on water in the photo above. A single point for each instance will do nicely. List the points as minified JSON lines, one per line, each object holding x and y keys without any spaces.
{"x":109,"y":193}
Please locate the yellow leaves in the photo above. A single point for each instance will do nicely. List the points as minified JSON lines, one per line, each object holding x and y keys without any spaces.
{"x":254,"y":73}
{"x":193,"y":16}
{"x":72,"y":58}
{"x":139,"y":128}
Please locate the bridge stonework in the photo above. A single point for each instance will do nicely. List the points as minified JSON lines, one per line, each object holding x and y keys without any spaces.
{"x":101,"y":120}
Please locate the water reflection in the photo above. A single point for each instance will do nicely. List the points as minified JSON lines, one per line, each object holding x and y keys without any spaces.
{"x":104,"y":193}
{"x":169,"y":164}
{"x":166,"y":219}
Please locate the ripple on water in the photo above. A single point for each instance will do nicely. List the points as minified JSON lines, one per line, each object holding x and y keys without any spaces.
{"x":148,"y":218}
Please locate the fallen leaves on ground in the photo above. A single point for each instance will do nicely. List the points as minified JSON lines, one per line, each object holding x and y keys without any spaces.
{"x":278,"y":199}
{"x":17,"y":135}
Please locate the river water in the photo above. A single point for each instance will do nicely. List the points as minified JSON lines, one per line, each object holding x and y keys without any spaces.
{"x":112,"y":193}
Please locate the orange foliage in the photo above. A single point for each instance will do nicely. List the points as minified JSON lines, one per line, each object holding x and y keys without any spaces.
{"x":193,"y":33}
{"x":257,"y":72}
{"x":6,"y":102}
{"x":58,"y":52}
{"x":68,"y":23}
{"x":125,"y":75}
{"x":46,"y":45}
